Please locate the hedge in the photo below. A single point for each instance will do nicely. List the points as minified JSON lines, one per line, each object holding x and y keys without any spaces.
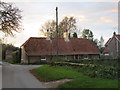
{"x":16,"y":56}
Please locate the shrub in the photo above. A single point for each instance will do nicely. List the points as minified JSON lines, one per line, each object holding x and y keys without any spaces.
{"x":6,"y":47}
{"x":92,"y":70}
{"x":105,"y":57}
{"x":9,"y":61}
{"x":16,"y":56}
{"x":58,"y":59}
{"x":55,"y":59}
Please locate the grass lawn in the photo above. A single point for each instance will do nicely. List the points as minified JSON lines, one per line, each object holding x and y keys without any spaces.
{"x":90,"y":83}
{"x":51,"y":73}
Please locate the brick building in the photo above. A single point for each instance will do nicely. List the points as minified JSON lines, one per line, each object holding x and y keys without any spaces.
{"x":36,"y":48}
{"x":112,"y":46}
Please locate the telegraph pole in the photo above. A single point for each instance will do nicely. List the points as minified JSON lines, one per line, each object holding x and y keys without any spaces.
{"x":57,"y":29}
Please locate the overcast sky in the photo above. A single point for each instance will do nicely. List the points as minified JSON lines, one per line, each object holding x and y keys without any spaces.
{"x":100,"y":17}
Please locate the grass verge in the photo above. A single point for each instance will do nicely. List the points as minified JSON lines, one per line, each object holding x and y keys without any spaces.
{"x":51,"y":73}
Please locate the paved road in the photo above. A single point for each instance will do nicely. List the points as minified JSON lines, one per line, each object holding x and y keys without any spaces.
{"x":18,"y":76}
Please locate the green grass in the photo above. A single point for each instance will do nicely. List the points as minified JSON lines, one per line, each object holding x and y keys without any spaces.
{"x":51,"y":73}
{"x":90,"y":83}
{"x":48,"y":73}
{"x":97,"y":69}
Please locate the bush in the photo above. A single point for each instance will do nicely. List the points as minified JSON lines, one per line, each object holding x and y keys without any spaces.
{"x":92,"y":70}
{"x":58,"y":59}
{"x":16,"y":56}
{"x":6,"y":47}
{"x":105,"y":57}
{"x":9,"y":61}
{"x":3,"y":54}
{"x":78,"y":80}
{"x":55,"y":59}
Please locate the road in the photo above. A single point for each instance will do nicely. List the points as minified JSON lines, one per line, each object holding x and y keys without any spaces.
{"x":18,"y":76}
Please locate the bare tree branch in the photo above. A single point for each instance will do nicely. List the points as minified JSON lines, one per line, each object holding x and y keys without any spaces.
{"x":10,"y":18}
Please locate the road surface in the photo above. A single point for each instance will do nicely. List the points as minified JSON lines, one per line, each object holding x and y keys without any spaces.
{"x":18,"y":76}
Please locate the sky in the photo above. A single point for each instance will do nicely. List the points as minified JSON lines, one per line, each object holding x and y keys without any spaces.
{"x":100,"y":17}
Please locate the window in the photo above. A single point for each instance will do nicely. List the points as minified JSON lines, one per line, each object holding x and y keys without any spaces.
{"x":85,"y":56}
{"x":106,"y":54}
{"x":43,"y":58}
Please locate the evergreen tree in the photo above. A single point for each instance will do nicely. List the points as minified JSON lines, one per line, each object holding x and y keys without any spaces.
{"x":88,"y":34}
{"x":75,"y":35}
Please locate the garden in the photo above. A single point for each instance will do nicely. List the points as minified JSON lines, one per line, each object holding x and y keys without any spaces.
{"x":84,"y":73}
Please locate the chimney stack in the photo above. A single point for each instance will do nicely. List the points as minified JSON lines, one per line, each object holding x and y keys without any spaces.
{"x":114,"y":33}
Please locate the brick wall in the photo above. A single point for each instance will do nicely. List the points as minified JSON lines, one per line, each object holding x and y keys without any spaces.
{"x":24,"y":57}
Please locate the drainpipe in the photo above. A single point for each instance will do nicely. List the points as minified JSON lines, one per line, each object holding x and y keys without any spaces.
{"x":117,"y":48}
{"x":28,"y":60}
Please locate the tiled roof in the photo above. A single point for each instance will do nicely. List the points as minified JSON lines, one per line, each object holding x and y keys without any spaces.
{"x":118,"y":36}
{"x":107,"y":42}
{"x":41,"y":46}
{"x":106,"y":51}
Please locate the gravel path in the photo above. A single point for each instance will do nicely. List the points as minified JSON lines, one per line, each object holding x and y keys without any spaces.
{"x":55,"y":84}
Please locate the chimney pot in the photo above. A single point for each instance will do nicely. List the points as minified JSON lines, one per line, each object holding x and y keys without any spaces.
{"x":114,"y":33}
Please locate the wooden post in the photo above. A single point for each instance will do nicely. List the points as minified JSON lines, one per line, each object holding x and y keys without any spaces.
{"x":78,"y":57}
{"x":28,"y":60}
{"x":57,"y":29}
{"x":74,"y":57}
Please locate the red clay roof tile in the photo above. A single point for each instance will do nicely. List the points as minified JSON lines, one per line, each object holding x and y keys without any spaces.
{"x":41,"y":46}
{"x":106,"y":50}
{"x":118,"y":36}
{"x":107,"y":42}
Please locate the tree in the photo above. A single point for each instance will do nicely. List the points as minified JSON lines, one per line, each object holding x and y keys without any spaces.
{"x":16,"y":56}
{"x":10,"y":18}
{"x":96,"y":41}
{"x":66,"y":24}
{"x":6,"y":47}
{"x":75,"y":35}
{"x":86,"y":33}
{"x":101,"y":44}
{"x":49,"y":26}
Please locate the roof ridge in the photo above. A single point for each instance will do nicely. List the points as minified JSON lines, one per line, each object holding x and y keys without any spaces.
{"x":25,"y":42}
{"x":118,"y":37}
{"x":53,"y":38}
{"x":37,"y":37}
